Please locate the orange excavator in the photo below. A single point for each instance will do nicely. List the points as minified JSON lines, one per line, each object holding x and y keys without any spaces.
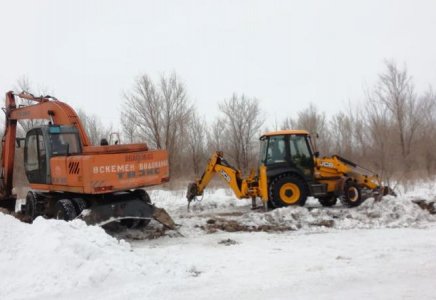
{"x":70,"y":177}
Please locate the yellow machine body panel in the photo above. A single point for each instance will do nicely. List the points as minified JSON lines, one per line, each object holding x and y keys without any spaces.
{"x":332,"y":169}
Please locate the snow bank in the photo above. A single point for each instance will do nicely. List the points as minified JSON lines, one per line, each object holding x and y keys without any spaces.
{"x":213,"y":200}
{"x":52,"y":257}
{"x":391,"y":212}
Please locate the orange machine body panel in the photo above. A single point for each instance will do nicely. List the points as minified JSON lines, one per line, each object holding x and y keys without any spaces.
{"x":106,"y":173}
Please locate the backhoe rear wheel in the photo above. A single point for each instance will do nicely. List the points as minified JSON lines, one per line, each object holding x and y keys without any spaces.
{"x":352,"y":195}
{"x":328,"y":201}
{"x":288,"y":190}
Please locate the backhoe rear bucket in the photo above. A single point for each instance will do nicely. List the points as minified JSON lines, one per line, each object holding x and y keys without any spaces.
{"x":192,"y":191}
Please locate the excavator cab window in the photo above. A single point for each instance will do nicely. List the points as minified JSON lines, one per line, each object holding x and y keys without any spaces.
{"x":64,"y":144}
{"x":35,"y":157}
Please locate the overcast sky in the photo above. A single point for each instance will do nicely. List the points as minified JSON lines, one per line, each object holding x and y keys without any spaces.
{"x":285,"y":53}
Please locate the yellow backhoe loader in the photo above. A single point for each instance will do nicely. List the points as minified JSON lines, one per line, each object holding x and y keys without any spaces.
{"x":290,"y":171}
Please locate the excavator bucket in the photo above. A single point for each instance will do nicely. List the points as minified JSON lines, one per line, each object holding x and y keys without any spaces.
{"x":163,"y":217}
{"x":103,"y":214}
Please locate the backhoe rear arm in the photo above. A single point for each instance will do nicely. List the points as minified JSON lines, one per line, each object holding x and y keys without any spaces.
{"x":231,"y":176}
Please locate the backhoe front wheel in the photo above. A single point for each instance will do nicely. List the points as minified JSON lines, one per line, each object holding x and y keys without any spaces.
{"x":288,"y":190}
{"x":352,"y":195}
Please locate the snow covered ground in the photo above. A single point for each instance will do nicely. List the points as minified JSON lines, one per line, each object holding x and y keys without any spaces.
{"x":384,"y":250}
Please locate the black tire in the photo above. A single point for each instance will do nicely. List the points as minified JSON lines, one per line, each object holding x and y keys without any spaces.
{"x":30,"y":208}
{"x":288,"y":190}
{"x":138,"y":223}
{"x":328,"y":201}
{"x":65,"y":210}
{"x":352,"y":195}
{"x":79,"y":205}
{"x":143,"y":195}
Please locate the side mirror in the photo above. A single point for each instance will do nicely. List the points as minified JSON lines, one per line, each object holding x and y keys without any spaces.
{"x":316,"y":154}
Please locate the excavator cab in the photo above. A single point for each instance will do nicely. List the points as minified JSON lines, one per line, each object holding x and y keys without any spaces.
{"x":44,"y":142}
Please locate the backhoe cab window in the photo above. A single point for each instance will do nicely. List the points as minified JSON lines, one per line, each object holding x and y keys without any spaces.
{"x":300,"y":153}
{"x":64,"y":143}
{"x":276,"y":150}
{"x":263,"y":148}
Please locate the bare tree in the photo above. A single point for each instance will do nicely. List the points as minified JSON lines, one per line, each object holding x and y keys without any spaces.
{"x":341,"y":127}
{"x":425,"y":145}
{"x":129,"y":129}
{"x":287,"y":124}
{"x":216,"y":135}
{"x":94,"y":127}
{"x":315,"y":122}
{"x":395,"y":93}
{"x":160,"y":114}
{"x":243,"y":119}
{"x":196,"y":139}
{"x":24,"y":84}
{"x":379,"y":128}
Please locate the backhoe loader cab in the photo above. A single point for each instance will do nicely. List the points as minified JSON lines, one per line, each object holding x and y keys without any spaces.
{"x":289,"y":171}
{"x":287,"y":151}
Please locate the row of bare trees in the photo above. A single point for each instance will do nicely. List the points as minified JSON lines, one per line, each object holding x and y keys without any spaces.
{"x":392,"y":130}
